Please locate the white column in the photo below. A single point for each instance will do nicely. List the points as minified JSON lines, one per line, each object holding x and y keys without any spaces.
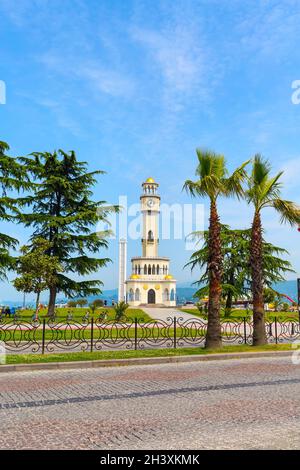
{"x":122,"y":269}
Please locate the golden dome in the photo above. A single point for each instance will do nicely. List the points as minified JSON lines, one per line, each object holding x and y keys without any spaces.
{"x":150,"y":180}
{"x":168,"y":276}
{"x":134,"y":276}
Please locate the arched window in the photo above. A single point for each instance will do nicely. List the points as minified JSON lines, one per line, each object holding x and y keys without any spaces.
{"x":137,"y":294}
{"x":145,"y":269}
{"x":153,"y":269}
{"x":163,"y":269}
{"x":135,"y":269}
{"x":172,"y":295}
{"x":166,"y":295}
{"x":150,"y":236}
{"x":149,"y":269}
{"x":139,"y":269}
{"x":131,"y":295}
{"x":157,"y":269}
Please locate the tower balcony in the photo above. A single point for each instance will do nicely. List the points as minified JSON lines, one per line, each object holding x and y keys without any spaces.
{"x":150,"y":241}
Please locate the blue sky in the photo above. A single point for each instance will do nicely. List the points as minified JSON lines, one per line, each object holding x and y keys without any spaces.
{"x":135,"y":86}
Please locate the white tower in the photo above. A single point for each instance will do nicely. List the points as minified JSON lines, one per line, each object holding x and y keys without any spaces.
{"x":150,"y":281}
{"x":122,"y":269}
{"x":150,"y":204}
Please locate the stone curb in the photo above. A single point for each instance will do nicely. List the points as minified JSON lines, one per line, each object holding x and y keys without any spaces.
{"x":137,"y":361}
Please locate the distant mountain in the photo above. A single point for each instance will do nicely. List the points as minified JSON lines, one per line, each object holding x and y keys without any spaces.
{"x":288,"y":288}
{"x":184,"y":293}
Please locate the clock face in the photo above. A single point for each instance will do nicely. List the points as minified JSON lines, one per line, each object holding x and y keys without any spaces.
{"x":150,"y":203}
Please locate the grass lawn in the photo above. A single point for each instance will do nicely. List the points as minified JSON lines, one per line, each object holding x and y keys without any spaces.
{"x":86,"y":356}
{"x":239,"y":314}
{"x":78,"y":313}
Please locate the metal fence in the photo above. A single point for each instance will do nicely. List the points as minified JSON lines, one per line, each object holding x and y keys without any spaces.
{"x":47,"y":336}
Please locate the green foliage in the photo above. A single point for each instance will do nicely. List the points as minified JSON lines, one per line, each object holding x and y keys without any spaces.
{"x":12,"y":180}
{"x":37,"y":270}
{"x":285,"y":306}
{"x":214,"y":181}
{"x":81,"y":302}
{"x":72,"y":303}
{"x":236,"y":265}
{"x":120,"y":309}
{"x":213,"y":178}
{"x":269,"y":295}
{"x":63,"y":212}
{"x":130,"y":354}
{"x":201,"y":308}
{"x":97,"y":303}
{"x":265,"y":191}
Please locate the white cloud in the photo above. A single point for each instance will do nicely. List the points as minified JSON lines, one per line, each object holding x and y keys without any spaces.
{"x":92,"y":73}
{"x":106,"y":80}
{"x":269,"y":29}
{"x":290,"y":177}
{"x":178,"y":60}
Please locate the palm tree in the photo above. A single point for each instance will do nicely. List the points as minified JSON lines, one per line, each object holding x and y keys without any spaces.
{"x":213,"y":181}
{"x":264,"y":191}
{"x":236,"y":282}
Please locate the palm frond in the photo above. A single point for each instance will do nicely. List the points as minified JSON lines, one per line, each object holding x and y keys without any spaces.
{"x":289,"y":212}
{"x":233,"y":186}
{"x":261,"y":169}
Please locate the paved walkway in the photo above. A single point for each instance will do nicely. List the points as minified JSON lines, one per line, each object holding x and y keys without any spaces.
{"x":165,"y":313}
{"x":247,"y":404}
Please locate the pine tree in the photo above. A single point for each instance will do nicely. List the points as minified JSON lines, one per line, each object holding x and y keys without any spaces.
{"x":12,"y":180}
{"x":62,"y":211}
{"x":236,"y":279}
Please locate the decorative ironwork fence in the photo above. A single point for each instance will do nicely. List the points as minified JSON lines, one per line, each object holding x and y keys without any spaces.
{"x":46,"y":336}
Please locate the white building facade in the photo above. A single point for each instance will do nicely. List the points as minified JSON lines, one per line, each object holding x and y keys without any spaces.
{"x":150,"y":281}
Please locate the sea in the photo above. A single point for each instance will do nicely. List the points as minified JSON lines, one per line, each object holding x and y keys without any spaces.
{"x":184,"y":294}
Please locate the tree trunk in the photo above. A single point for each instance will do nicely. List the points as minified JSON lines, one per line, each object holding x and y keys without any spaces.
{"x":213,"y":335}
{"x":259,"y":331}
{"x":37,"y":304}
{"x":52,"y":299}
{"x":228,"y":305}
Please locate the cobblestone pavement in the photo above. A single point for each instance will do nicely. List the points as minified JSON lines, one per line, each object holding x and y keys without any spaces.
{"x":247,"y":404}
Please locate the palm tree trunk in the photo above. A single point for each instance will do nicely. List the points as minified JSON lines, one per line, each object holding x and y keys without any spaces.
{"x":213,"y":335}
{"x":259,"y":331}
{"x":52,"y":300}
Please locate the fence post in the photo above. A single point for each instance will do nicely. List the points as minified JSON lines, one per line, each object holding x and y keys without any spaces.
{"x":270,"y":329}
{"x":175,"y":334}
{"x":245,"y":332}
{"x":276,"y":338}
{"x":43,"y":336}
{"x":135,"y":333}
{"x":92,"y":334}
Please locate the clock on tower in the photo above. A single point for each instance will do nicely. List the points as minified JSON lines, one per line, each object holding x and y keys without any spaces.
{"x":150,"y":281}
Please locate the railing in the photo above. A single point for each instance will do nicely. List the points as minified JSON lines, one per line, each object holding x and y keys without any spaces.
{"x":46,"y":336}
